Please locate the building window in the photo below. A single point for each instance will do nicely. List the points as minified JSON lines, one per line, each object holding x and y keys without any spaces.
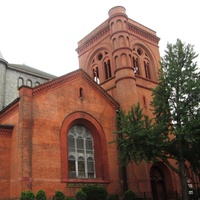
{"x":147,"y":70}
{"x":141,"y":62}
{"x":107,"y":69}
{"x":96,"y":74}
{"x":37,"y":83}
{"x":136,"y":66}
{"x":80,"y":153}
{"x":20,"y":82}
{"x":101,"y":66}
{"x":29,"y":83}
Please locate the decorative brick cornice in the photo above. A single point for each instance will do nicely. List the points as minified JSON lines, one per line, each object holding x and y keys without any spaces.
{"x":6,"y":130}
{"x":72,"y":76}
{"x":100,"y":90}
{"x":142,"y":33}
{"x":56,"y":82}
{"x":97,"y":37}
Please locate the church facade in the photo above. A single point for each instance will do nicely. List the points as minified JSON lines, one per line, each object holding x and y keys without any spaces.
{"x":58,"y":135}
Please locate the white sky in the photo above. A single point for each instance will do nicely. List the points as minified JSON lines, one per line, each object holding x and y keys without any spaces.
{"x":44,"y":33}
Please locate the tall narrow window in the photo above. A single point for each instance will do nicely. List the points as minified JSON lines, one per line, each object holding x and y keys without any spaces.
{"x":96,"y":74}
{"x":81,"y":93}
{"x":147,"y":70}
{"x":20,"y":82}
{"x":80,"y":153}
{"x":136,"y":66}
{"x":107,"y":69}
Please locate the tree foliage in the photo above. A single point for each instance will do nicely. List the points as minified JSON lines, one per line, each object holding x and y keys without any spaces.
{"x":176,"y":104}
{"x":174,"y":132}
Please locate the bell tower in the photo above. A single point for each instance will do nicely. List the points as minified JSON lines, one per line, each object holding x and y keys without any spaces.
{"x":122,"y":56}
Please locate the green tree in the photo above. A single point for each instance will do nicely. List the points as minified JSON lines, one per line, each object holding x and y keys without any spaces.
{"x":174,"y":133}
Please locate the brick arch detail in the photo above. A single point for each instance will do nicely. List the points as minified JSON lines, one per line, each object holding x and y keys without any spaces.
{"x":168,"y":176}
{"x":100,"y":150}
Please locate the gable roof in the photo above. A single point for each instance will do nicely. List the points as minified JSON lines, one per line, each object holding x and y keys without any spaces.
{"x":29,"y":70}
{"x":72,"y":76}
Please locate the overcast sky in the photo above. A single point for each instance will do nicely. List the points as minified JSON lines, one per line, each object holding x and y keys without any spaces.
{"x":44,"y":33}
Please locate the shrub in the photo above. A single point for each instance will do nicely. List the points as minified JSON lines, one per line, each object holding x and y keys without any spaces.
{"x":29,"y":195}
{"x":113,"y":197}
{"x":95,"y":193}
{"x":70,"y":198}
{"x":59,"y":195}
{"x":129,"y":195}
{"x":41,"y":195}
{"x":80,"y":195}
{"x":23,"y":195}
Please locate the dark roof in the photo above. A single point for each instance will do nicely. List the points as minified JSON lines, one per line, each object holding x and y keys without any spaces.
{"x":29,"y":70}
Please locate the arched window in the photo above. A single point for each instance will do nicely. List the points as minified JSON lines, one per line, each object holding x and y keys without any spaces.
{"x":80,"y":153}
{"x":101,"y":67}
{"x":29,"y":83}
{"x":96,"y":74}
{"x":107,"y":69}
{"x":37,"y":83}
{"x":141,"y":62}
{"x":20,"y":82}
{"x":136,"y":66}
{"x":147,"y":70}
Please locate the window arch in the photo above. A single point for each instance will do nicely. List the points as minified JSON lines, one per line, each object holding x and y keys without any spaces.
{"x":107,"y":69}
{"x":141,"y":62}
{"x":136,"y":65}
{"x":37,"y":83}
{"x":29,"y":83}
{"x":95,"y":152}
{"x":147,"y":70}
{"x":95,"y":71}
{"x":20,"y":82}
{"x":101,"y":66}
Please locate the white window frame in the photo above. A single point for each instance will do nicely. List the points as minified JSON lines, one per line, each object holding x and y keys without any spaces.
{"x":77,"y":132}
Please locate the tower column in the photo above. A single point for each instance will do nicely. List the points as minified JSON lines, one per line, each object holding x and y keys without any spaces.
{"x":124,"y":74}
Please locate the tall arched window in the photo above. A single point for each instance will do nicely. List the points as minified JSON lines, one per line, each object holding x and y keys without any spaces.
{"x":80,"y":153}
{"x":107,"y":69}
{"x":20,"y":82}
{"x":136,"y":65}
{"x":147,"y":70}
{"x":96,"y":74}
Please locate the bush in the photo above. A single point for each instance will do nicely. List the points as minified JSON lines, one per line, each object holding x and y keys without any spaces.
{"x":59,"y":195}
{"x":80,"y":195}
{"x":113,"y":197}
{"x":129,"y":195}
{"x":41,"y":195}
{"x":29,"y":195}
{"x":70,"y":198}
{"x":95,"y":193}
{"x":23,"y":195}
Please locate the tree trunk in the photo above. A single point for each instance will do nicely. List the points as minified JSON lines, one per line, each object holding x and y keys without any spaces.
{"x":184,"y":186}
{"x":182,"y":173}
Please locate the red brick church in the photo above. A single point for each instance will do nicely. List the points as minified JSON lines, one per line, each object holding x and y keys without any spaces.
{"x":56,"y":136}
